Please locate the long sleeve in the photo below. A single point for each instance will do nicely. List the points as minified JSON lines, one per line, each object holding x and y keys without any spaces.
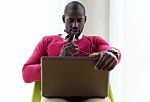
{"x":31,"y":70}
{"x":103,"y":45}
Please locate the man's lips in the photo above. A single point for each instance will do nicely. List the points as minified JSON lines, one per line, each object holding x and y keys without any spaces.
{"x":75,"y":31}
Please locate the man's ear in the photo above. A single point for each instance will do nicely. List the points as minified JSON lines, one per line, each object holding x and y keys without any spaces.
{"x":63,"y":18}
{"x":85,"y":18}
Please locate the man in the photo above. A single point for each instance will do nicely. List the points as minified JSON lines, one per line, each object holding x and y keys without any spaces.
{"x":71,"y":43}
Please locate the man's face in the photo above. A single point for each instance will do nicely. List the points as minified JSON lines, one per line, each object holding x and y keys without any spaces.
{"x":74,"y":22}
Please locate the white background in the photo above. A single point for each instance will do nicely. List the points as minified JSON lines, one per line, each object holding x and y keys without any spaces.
{"x":22,"y":24}
{"x":129,"y":31}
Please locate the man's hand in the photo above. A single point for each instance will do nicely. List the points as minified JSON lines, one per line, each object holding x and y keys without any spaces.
{"x":107,"y":60}
{"x":69,"y":49}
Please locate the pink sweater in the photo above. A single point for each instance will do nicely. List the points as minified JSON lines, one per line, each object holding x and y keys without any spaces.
{"x":51,"y":46}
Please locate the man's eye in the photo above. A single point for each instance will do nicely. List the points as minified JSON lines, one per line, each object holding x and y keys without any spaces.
{"x":70,"y":20}
{"x":79,"y":20}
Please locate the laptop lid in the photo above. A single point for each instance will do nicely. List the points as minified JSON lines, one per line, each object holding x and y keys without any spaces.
{"x":72,"y":77}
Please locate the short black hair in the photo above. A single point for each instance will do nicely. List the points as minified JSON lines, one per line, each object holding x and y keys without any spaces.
{"x":74,"y":5}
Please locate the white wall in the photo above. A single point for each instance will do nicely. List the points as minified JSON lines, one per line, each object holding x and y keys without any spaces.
{"x":116,"y":32}
{"x":130,"y":22}
{"x":97,"y":17}
{"x":22,"y":24}
{"x":136,"y":38}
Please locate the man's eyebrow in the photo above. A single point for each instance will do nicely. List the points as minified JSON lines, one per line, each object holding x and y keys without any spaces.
{"x":81,"y":18}
{"x":76,"y":17}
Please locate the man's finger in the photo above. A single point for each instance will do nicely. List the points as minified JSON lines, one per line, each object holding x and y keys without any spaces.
{"x":95,"y":55}
{"x":106,"y":63}
{"x":109,"y":64}
{"x":113,"y":66}
{"x":100,"y":61}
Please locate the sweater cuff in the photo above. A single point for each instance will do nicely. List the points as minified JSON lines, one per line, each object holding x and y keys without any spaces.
{"x":114,"y":52}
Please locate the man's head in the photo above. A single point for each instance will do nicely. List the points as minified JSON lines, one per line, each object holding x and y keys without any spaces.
{"x":74,"y":18}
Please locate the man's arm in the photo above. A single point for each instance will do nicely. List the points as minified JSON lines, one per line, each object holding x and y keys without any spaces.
{"x":31,"y":70}
{"x":109,"y":56}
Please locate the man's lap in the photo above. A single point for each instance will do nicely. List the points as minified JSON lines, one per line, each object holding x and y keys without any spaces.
{"x":76,"y":100}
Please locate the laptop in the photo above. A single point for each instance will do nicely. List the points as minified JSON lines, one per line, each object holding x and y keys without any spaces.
{"x":70,"y":77}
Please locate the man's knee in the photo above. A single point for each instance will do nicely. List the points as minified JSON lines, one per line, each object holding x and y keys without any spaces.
{"x":98,"y":100}
{"x":53,"y":100}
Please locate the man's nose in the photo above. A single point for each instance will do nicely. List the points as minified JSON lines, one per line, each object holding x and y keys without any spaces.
{"x":75,"y":24}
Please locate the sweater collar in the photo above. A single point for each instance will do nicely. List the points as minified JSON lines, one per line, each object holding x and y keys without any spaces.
{"x":64,"y":35}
